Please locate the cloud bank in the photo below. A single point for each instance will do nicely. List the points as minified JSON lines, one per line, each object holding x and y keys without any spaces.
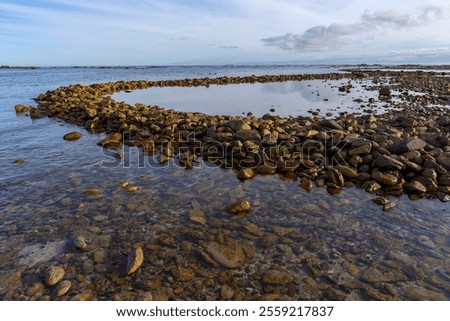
{"x":336,"y":35}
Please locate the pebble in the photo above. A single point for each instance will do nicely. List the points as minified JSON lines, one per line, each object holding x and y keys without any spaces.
{"x":63,"y":288}
{"x":226,"y":292}
{"x":54,"y":275}
{"x":72,"y":136}
{"x":135,"y":259}
{"x":241,"y":207}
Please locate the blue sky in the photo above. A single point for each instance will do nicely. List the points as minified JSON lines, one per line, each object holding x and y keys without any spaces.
{"x":160,"y":32}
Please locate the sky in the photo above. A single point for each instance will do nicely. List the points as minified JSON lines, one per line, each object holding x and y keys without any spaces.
{"x":208,"y":32}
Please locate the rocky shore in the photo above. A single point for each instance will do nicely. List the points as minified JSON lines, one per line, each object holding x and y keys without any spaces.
{"x":405,"y":150}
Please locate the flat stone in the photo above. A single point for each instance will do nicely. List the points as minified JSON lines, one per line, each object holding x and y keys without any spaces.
{"x":421,"y":294}
{"x":407,"y":145}
{"x":277,"y":277}
{"x":381,"y":274}
{"x":63,"y":288}
{"x":385,"y":178}
{"x":388,"y":162}
{"x":248,"y":135}
{"x":135,"y":259}
{"x":238,"y":124}
{"x":347,"y":171}
{"x":230,"y":256}
{"x":414,"y":187}
{"x":54,"y":275}
{"x":361,"y":150}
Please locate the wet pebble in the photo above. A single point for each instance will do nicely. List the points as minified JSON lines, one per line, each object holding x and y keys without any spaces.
{"x":54,"y":275}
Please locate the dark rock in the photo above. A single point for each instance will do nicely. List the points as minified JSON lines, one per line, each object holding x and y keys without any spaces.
{"x":414,"y":187}
{"x":407,"y":145}
{"x":248,"y":135}
{"x":388,"y":162}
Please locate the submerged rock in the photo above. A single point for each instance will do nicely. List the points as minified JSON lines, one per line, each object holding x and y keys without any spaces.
{"x":135,"y":259}
{"x":54,"y":275}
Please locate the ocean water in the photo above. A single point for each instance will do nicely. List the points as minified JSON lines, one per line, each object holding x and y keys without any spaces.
{"x":345,"y":244}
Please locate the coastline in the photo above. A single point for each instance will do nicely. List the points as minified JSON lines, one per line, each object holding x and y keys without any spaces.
{"x":388,"y":154}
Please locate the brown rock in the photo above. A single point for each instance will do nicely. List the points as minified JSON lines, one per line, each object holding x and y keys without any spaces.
{"x":135,"y":259}
{"x":54,"y":275}
{"x":414,"y":187}
{"x":230,"y":256}
{"x":385,"y":178}
{"x":277,"y":277}
{"x":238,"y":208}
{"x":72,"y":136}
{"x":226,"y":292}
{"x":246,"y":173}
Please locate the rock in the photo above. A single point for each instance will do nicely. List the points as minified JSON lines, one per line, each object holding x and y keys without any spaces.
{"x":54,"y":275}
{"x":132,"y":189}
{"x":238,"y":208}
{"x":361,"y":150}
{"x":135,"y":259}
{"x":347,"y":171}
{"x":384,"y":91}
{"x":185,"y":275}
{"x":19,"y":161}
{"x":277,"y":277}
{"x":306,"y":184}
{"x":246,"y":173}
{"x":371,"y":187}
{"x":229,"y":256}
{"x":83,"y":296}
{"x":237,"y":124}
{"x":388,"y":162}
{"x":226,"y":292}
{"x":389,"y":206}
{"x":72,"y":136}
{"x":380,"y":200}
{"x":197,"y":215}
{"x":63,"y":288}
{"x":114,"y":140}
{"x":407,"y":145}
{"x":415,"y":293}
{"x":332,"y":124}
{"x":267,"y":168}
{"x":414,"y":187}
{"x":144,"y":296}
{"x":335,"y":177}
{"x":81,"y":243}
{"x":34,"y":113}
{"x":100,"y":256}
{"x":378,"y":273}
{"x":444,"y":162}
{"x":385,"y":178}
{"x":21,"y":109}
{"x":248,"y":135}
{"x":36,"y":288}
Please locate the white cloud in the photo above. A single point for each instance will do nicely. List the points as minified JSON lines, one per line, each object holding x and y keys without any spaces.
{"x":322,"y":38}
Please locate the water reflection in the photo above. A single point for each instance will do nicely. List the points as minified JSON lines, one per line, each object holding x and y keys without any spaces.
{"x":291,"y":98}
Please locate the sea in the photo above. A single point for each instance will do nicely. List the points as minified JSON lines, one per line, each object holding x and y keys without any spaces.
{"x":62,"y":189}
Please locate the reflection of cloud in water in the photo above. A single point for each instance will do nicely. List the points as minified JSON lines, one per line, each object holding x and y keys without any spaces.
{"x":308,"y":90}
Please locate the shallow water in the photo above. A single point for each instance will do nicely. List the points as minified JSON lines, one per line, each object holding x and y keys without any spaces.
{"x":290,"y":98}
{"x":332,"y":247}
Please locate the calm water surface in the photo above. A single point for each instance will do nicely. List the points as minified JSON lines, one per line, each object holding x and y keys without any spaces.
{"x":332,"y":247}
